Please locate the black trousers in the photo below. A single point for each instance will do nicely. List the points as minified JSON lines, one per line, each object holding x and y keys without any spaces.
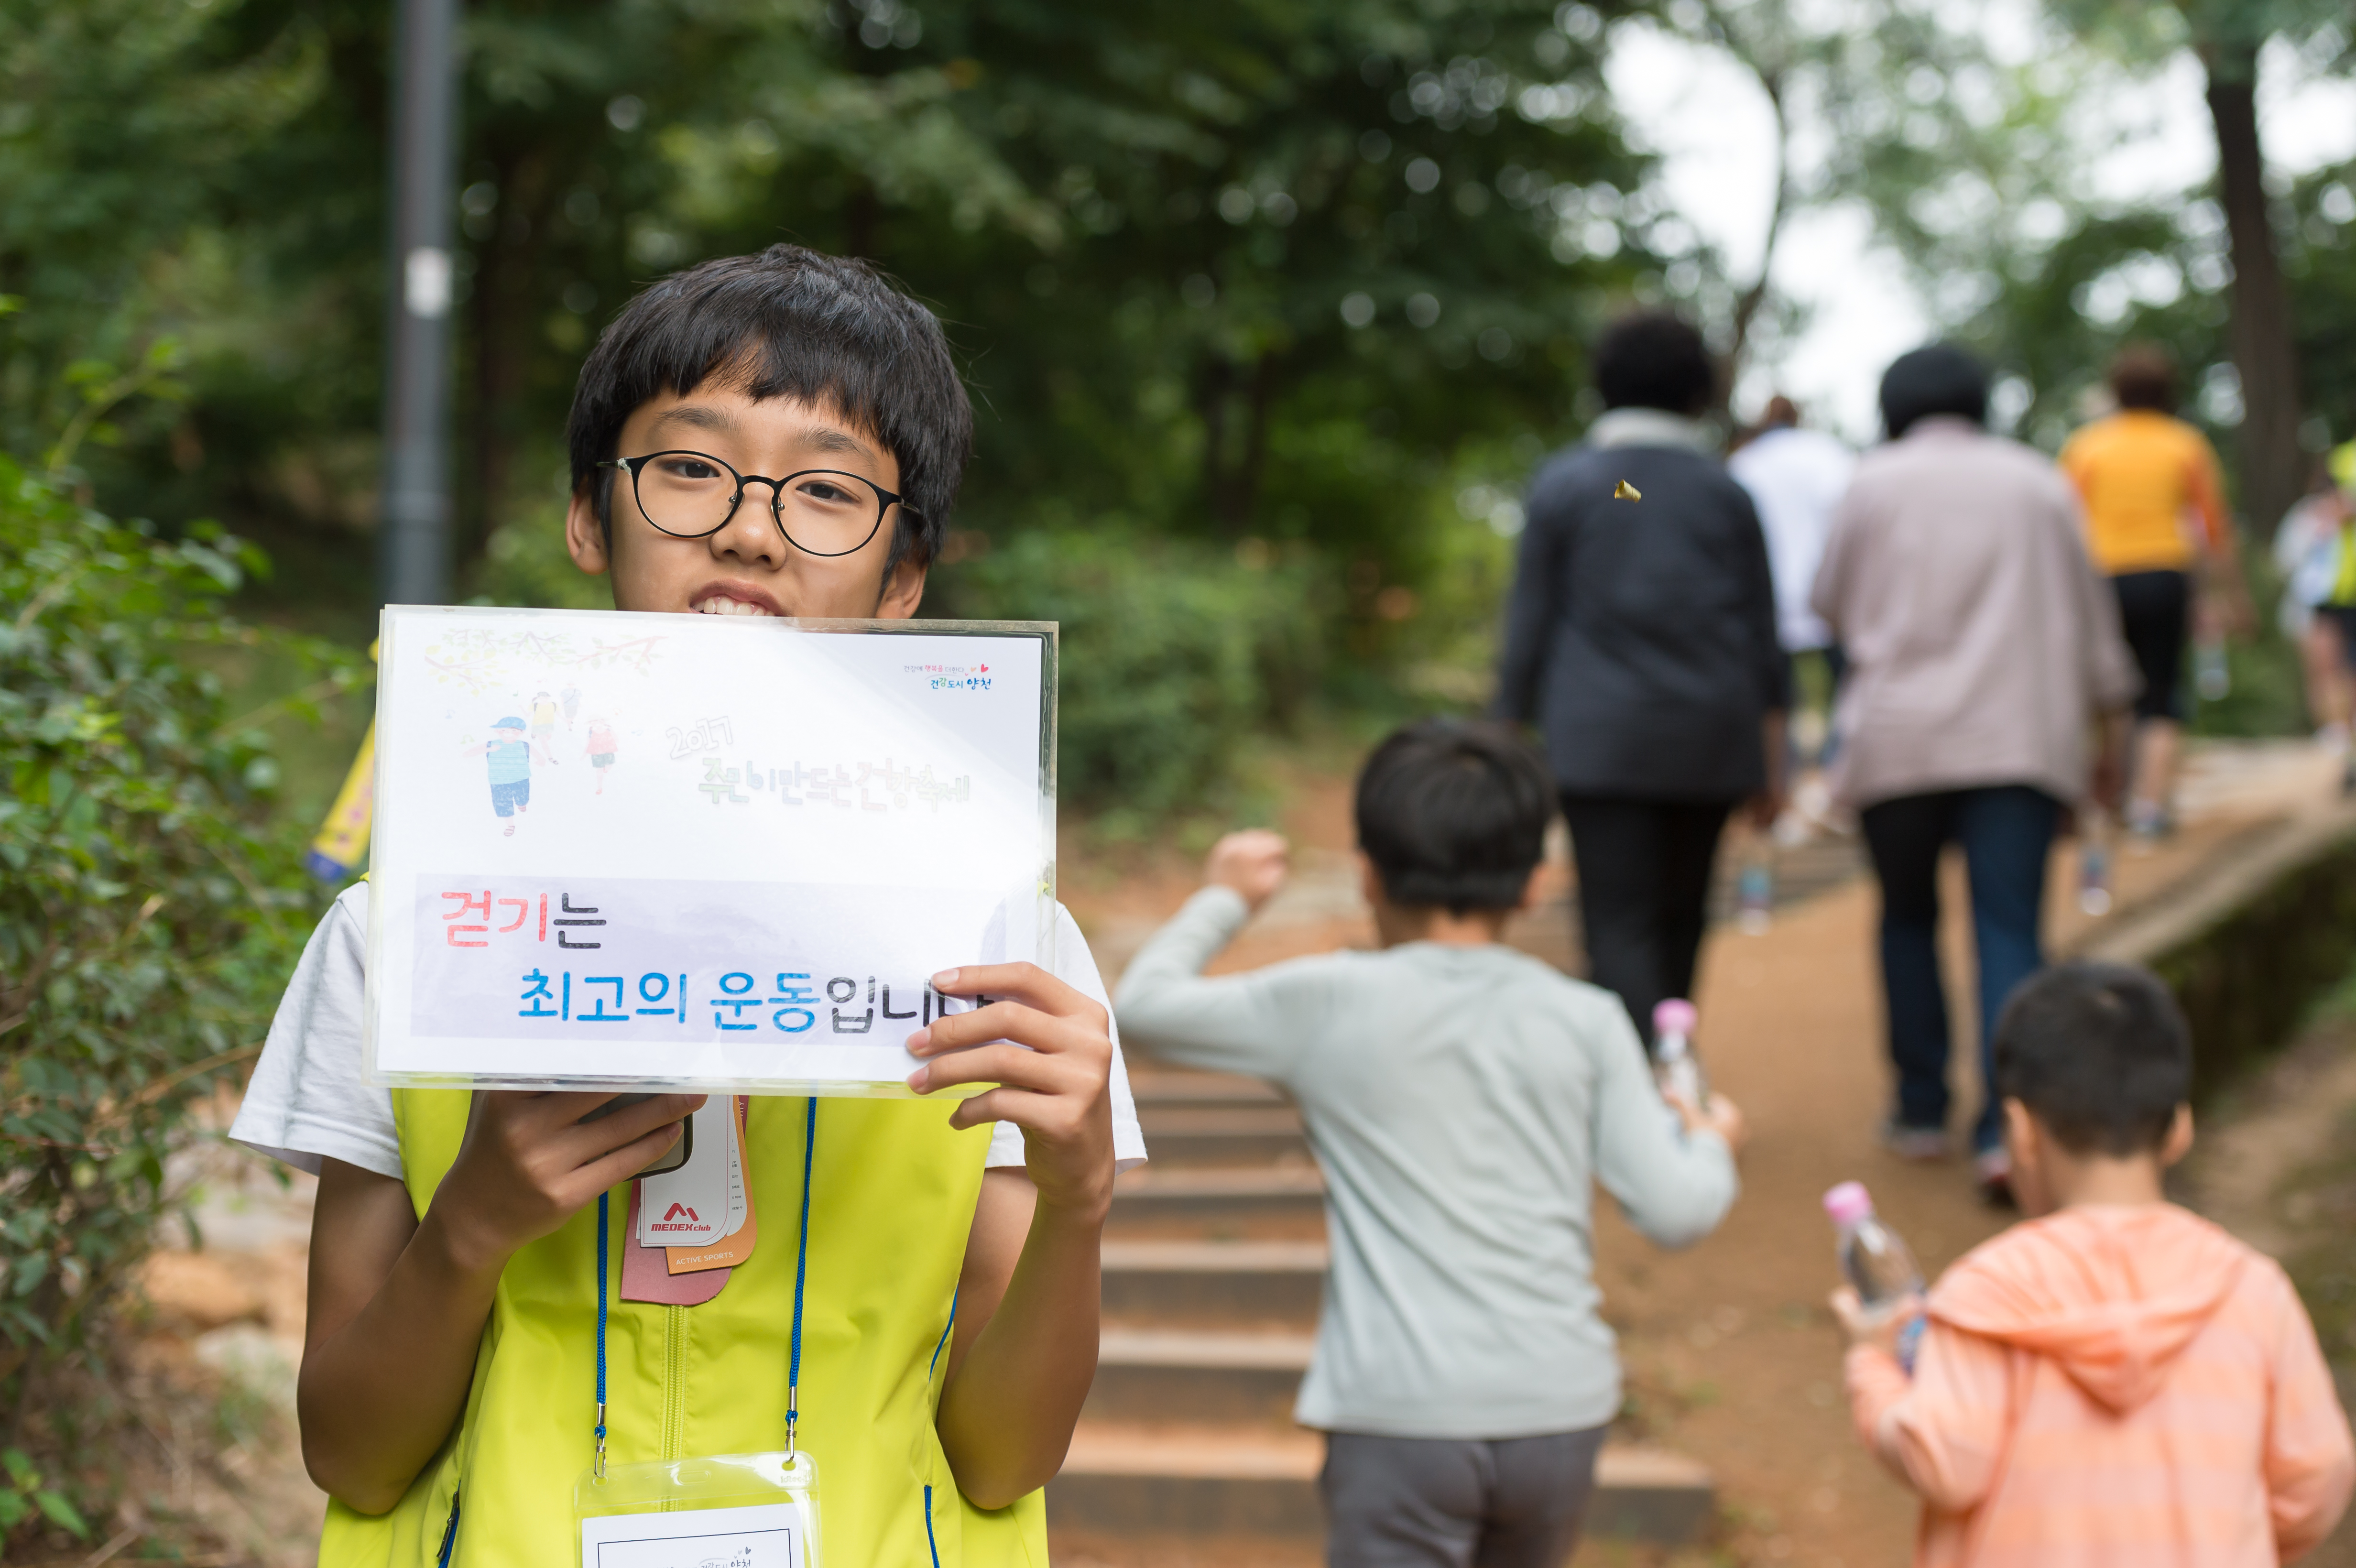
{"x":2156,"y":619}
{"x":1643,"y":892}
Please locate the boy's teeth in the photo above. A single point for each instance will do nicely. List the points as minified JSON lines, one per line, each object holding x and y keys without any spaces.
{"x":716,"y":606}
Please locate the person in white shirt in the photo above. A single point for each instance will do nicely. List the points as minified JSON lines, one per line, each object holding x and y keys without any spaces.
{"x":1796,"y":476}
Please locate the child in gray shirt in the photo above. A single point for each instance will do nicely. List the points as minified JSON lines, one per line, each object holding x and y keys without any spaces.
{"x":1463,"y":1099}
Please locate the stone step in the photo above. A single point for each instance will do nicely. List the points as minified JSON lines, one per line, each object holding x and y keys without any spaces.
{"x":1171,"y":1150}
{"x":1207,"y":1121}
{"x":1127,"y":1480}
{"x":1248,"y":1201}
{"x":1224,"y":1135}
{"x":1212,"y":1284}
{"x":1157,"y":1088}
{"x":1210,"y":1118}
{"x":1197,"y":1376}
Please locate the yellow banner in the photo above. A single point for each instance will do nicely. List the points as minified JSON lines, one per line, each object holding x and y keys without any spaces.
{"x":344,"y":838}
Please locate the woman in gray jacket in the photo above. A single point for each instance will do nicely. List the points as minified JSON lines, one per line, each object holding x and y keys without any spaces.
{"x":1983,"y":653}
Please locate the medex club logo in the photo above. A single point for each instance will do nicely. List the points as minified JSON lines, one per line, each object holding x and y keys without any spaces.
{"x":670,"y":1221}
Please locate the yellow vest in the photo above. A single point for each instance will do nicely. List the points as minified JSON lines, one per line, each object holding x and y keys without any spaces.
{"x":891,"y":1201}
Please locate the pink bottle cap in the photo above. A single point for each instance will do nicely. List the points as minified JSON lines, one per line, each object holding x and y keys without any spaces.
{"x":1848,"y":1203}
{"x":1674,"y":1016}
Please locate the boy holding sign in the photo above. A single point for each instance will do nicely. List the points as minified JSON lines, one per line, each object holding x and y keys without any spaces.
{"x":927,"y":1285}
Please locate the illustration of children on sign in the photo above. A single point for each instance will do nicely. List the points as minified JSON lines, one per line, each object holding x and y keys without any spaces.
{"x":600,"y":747}
{"x":508,"y":753}
{"x":571,"y":705}
{"x":544,"y":720}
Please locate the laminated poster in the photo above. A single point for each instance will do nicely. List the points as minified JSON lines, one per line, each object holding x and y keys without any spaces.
{"x":698,"y":851}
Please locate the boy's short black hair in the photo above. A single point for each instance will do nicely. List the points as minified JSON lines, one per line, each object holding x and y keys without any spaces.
{"x":2144,"y":377}
{"x":1939,"y":379}
{"x":2100,"y":1053}
{"x":1653,"y":360}
{"x":1453,"y":813}
{"x":787,"y":323}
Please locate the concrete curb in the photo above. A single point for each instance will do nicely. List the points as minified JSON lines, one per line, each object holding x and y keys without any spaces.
{"x":2249,"y":938}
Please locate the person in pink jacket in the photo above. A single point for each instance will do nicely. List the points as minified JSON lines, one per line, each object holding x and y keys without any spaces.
{"x":2115,"y":1381}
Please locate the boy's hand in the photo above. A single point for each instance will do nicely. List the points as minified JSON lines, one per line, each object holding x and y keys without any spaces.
{"x":529,"y":1163}
{"x":1721,"y":1116}
{"x":1254,"y":862}
{"x":1880,"y":1328}
{"x":1058,"y":1091}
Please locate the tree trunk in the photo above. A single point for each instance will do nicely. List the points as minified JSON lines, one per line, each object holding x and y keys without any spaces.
{"x":862,"y":216}
{"x":1234,"y":413}
{"x":2265,"y":351}
{"x":508,"y":311}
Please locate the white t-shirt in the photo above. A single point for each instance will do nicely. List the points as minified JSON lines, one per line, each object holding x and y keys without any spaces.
{"x":1797,"y":477}
{"x":307,"y":1100}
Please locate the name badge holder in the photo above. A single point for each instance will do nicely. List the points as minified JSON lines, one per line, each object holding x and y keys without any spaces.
{"x":745,"y":1510}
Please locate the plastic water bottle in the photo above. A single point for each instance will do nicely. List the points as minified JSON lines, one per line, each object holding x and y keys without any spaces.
{"x":1755,"y":891}
{"x":2211,"y":676}
{"x":2095,"y":863}
{"x":1675,"y":1066}
{"x":1874,"y":1261}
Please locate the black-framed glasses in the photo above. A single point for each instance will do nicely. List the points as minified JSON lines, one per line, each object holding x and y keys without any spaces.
{"x":693,"y":495}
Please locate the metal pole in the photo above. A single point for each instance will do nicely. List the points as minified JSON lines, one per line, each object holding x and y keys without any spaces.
{"x":413,"y":527}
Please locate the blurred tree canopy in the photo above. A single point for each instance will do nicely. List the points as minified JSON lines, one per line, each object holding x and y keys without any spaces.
{"x":1237,"y":269}
{"x":1245,"y":273}
{"x":1974,"y":156}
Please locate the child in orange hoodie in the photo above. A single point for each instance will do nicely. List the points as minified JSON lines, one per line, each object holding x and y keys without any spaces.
{"x":2115,"y":1381}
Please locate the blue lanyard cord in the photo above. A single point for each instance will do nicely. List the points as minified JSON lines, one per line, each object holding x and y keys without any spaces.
{"x":801,"y":1272}
{"x":599,"y":1468}
{"x":802,"y":1268}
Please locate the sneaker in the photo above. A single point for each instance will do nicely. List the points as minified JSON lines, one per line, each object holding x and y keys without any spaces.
{"x":1992,"y":1174}
{"x":1923,"y":1146}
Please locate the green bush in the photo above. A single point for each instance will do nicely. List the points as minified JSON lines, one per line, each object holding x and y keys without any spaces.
{"x":1173,"y":654}
{"x":2269,"y":693}
{"x":150,"y":913}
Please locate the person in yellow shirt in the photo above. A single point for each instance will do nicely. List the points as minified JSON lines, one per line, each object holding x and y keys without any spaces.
{"x":2155,"y":516}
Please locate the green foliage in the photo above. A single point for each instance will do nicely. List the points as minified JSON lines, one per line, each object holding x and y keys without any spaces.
{"x":1173,"y":654}
{"x":150,"y":911}
{"x":26,"y":1492}
{"x":2320,"y":261}
{"x":1980,"y":171}
{"x":1233,"y":269}
{"x":127,"y":128}
{"x":525,"y":562}
{"x":2267,"y":696}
